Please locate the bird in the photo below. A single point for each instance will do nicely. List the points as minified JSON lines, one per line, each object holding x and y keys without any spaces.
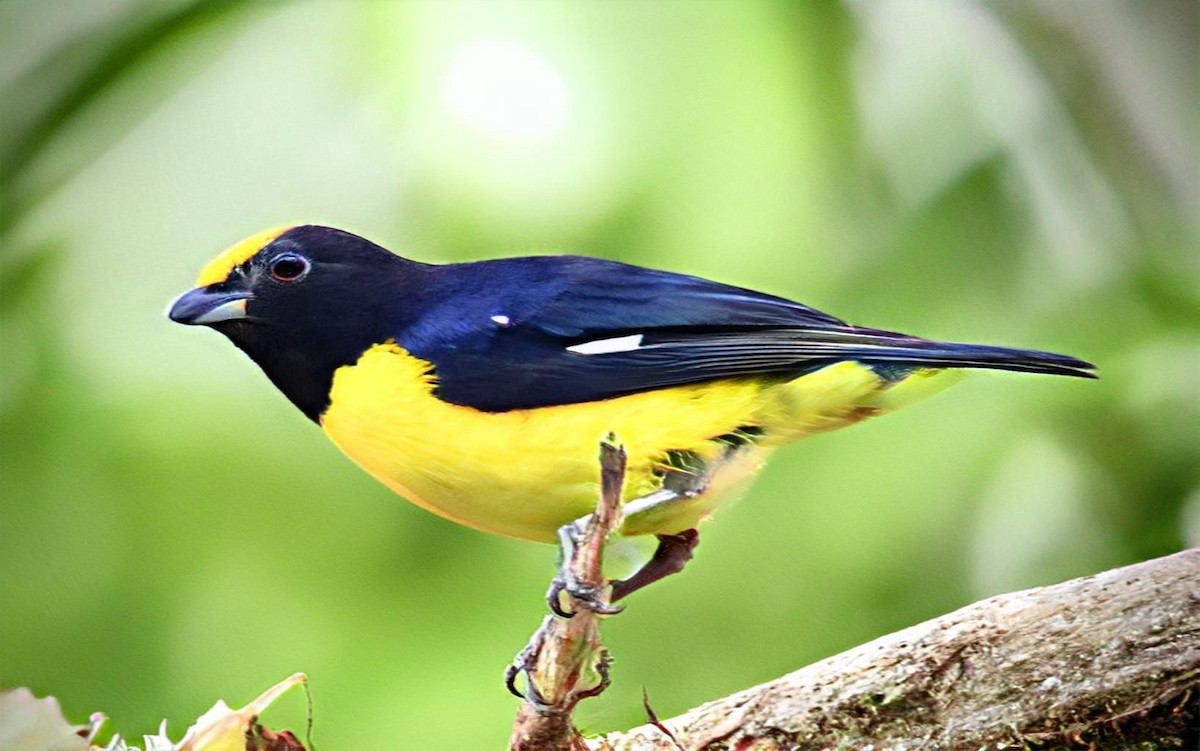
{"x":480,"y":391}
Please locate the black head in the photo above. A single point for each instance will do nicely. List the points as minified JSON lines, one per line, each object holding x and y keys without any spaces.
{"x":302,"y":302}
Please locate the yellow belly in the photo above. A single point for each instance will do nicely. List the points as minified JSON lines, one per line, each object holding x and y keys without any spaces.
{"x":524,"y":473}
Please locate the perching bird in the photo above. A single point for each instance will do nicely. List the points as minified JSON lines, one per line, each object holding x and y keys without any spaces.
{"x":479,"y":391}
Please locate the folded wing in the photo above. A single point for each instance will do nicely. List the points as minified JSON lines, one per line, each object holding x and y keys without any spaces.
{"x":578,"y":330}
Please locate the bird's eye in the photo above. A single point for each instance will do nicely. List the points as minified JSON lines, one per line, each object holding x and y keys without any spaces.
{"x":288,"y":267}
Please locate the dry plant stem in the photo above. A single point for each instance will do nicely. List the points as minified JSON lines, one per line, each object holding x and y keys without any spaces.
{"x":565,"y":655}
{"x":1110,"y":661}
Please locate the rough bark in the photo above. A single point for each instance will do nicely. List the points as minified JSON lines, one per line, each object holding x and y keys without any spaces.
{"x":1110,"y":661}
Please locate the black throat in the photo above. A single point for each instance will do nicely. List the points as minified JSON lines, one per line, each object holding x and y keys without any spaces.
{"x":303,"y":373}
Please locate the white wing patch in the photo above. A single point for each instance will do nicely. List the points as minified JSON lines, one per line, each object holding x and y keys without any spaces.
{"x":501,"y":320}
{"x":607,"y":346}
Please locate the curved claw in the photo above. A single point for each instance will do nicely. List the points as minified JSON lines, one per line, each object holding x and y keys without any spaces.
{"x":531,"y":694}
{"x":510,"y":680}
{"x":554,"y":599}
{"x":522,"y":663}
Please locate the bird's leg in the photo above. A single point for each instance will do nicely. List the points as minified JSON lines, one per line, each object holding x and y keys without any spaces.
{"x":686,"y":477}
{"x":671,"y":555}
{"x":687,"y":480}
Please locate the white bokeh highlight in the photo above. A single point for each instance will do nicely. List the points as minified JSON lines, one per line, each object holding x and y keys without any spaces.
{"x":507,"y":90}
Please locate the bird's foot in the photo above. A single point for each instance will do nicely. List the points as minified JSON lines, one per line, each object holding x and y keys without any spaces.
{"x":579,"y":594}
{"x":526,"y":662}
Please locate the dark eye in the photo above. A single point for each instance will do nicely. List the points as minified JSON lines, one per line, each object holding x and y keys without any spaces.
{"x":288,"y":267}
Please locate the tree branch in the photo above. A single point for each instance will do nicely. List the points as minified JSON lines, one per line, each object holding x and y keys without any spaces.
{"x":1108,"y":661}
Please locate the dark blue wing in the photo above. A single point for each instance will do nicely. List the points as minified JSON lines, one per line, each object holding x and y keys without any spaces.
{"x":533,"y":332}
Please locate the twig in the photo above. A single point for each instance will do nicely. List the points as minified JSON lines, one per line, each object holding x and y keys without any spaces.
{"x":565,"y":661}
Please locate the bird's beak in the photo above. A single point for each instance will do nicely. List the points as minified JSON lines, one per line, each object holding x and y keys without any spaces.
{"x":205,"y":306}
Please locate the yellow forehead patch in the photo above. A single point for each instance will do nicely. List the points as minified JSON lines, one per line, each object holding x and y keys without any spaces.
{"x":237,"y":254}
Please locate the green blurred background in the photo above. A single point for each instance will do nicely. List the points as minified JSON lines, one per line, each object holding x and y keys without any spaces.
{"x":174,"y":532}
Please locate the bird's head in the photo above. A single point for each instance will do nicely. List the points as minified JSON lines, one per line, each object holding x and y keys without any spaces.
{"x":301,"y":302}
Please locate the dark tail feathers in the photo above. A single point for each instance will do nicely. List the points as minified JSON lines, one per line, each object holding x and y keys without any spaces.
{"x":953,"y":355}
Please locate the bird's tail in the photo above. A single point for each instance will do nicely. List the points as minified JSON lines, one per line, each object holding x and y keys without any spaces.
{"x":923,"y":368}
{"x":884,"y":348}
{"x":955,"y":355}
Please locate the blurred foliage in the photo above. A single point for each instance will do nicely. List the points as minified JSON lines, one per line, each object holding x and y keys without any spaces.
{"x":28,"y":723}
{"x":1015,"y":173}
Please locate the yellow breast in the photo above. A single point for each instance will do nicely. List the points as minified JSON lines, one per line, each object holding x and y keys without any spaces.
{"x":524,"y":473}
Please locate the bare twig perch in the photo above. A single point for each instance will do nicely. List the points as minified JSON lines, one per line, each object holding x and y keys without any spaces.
{"x":1110,"y":661}
{"x":566,"y":653}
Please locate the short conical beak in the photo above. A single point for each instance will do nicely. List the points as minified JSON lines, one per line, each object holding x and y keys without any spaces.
{"x":205,"y":306}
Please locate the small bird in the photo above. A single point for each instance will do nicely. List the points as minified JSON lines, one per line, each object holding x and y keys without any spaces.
{"x":480,"y":391}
